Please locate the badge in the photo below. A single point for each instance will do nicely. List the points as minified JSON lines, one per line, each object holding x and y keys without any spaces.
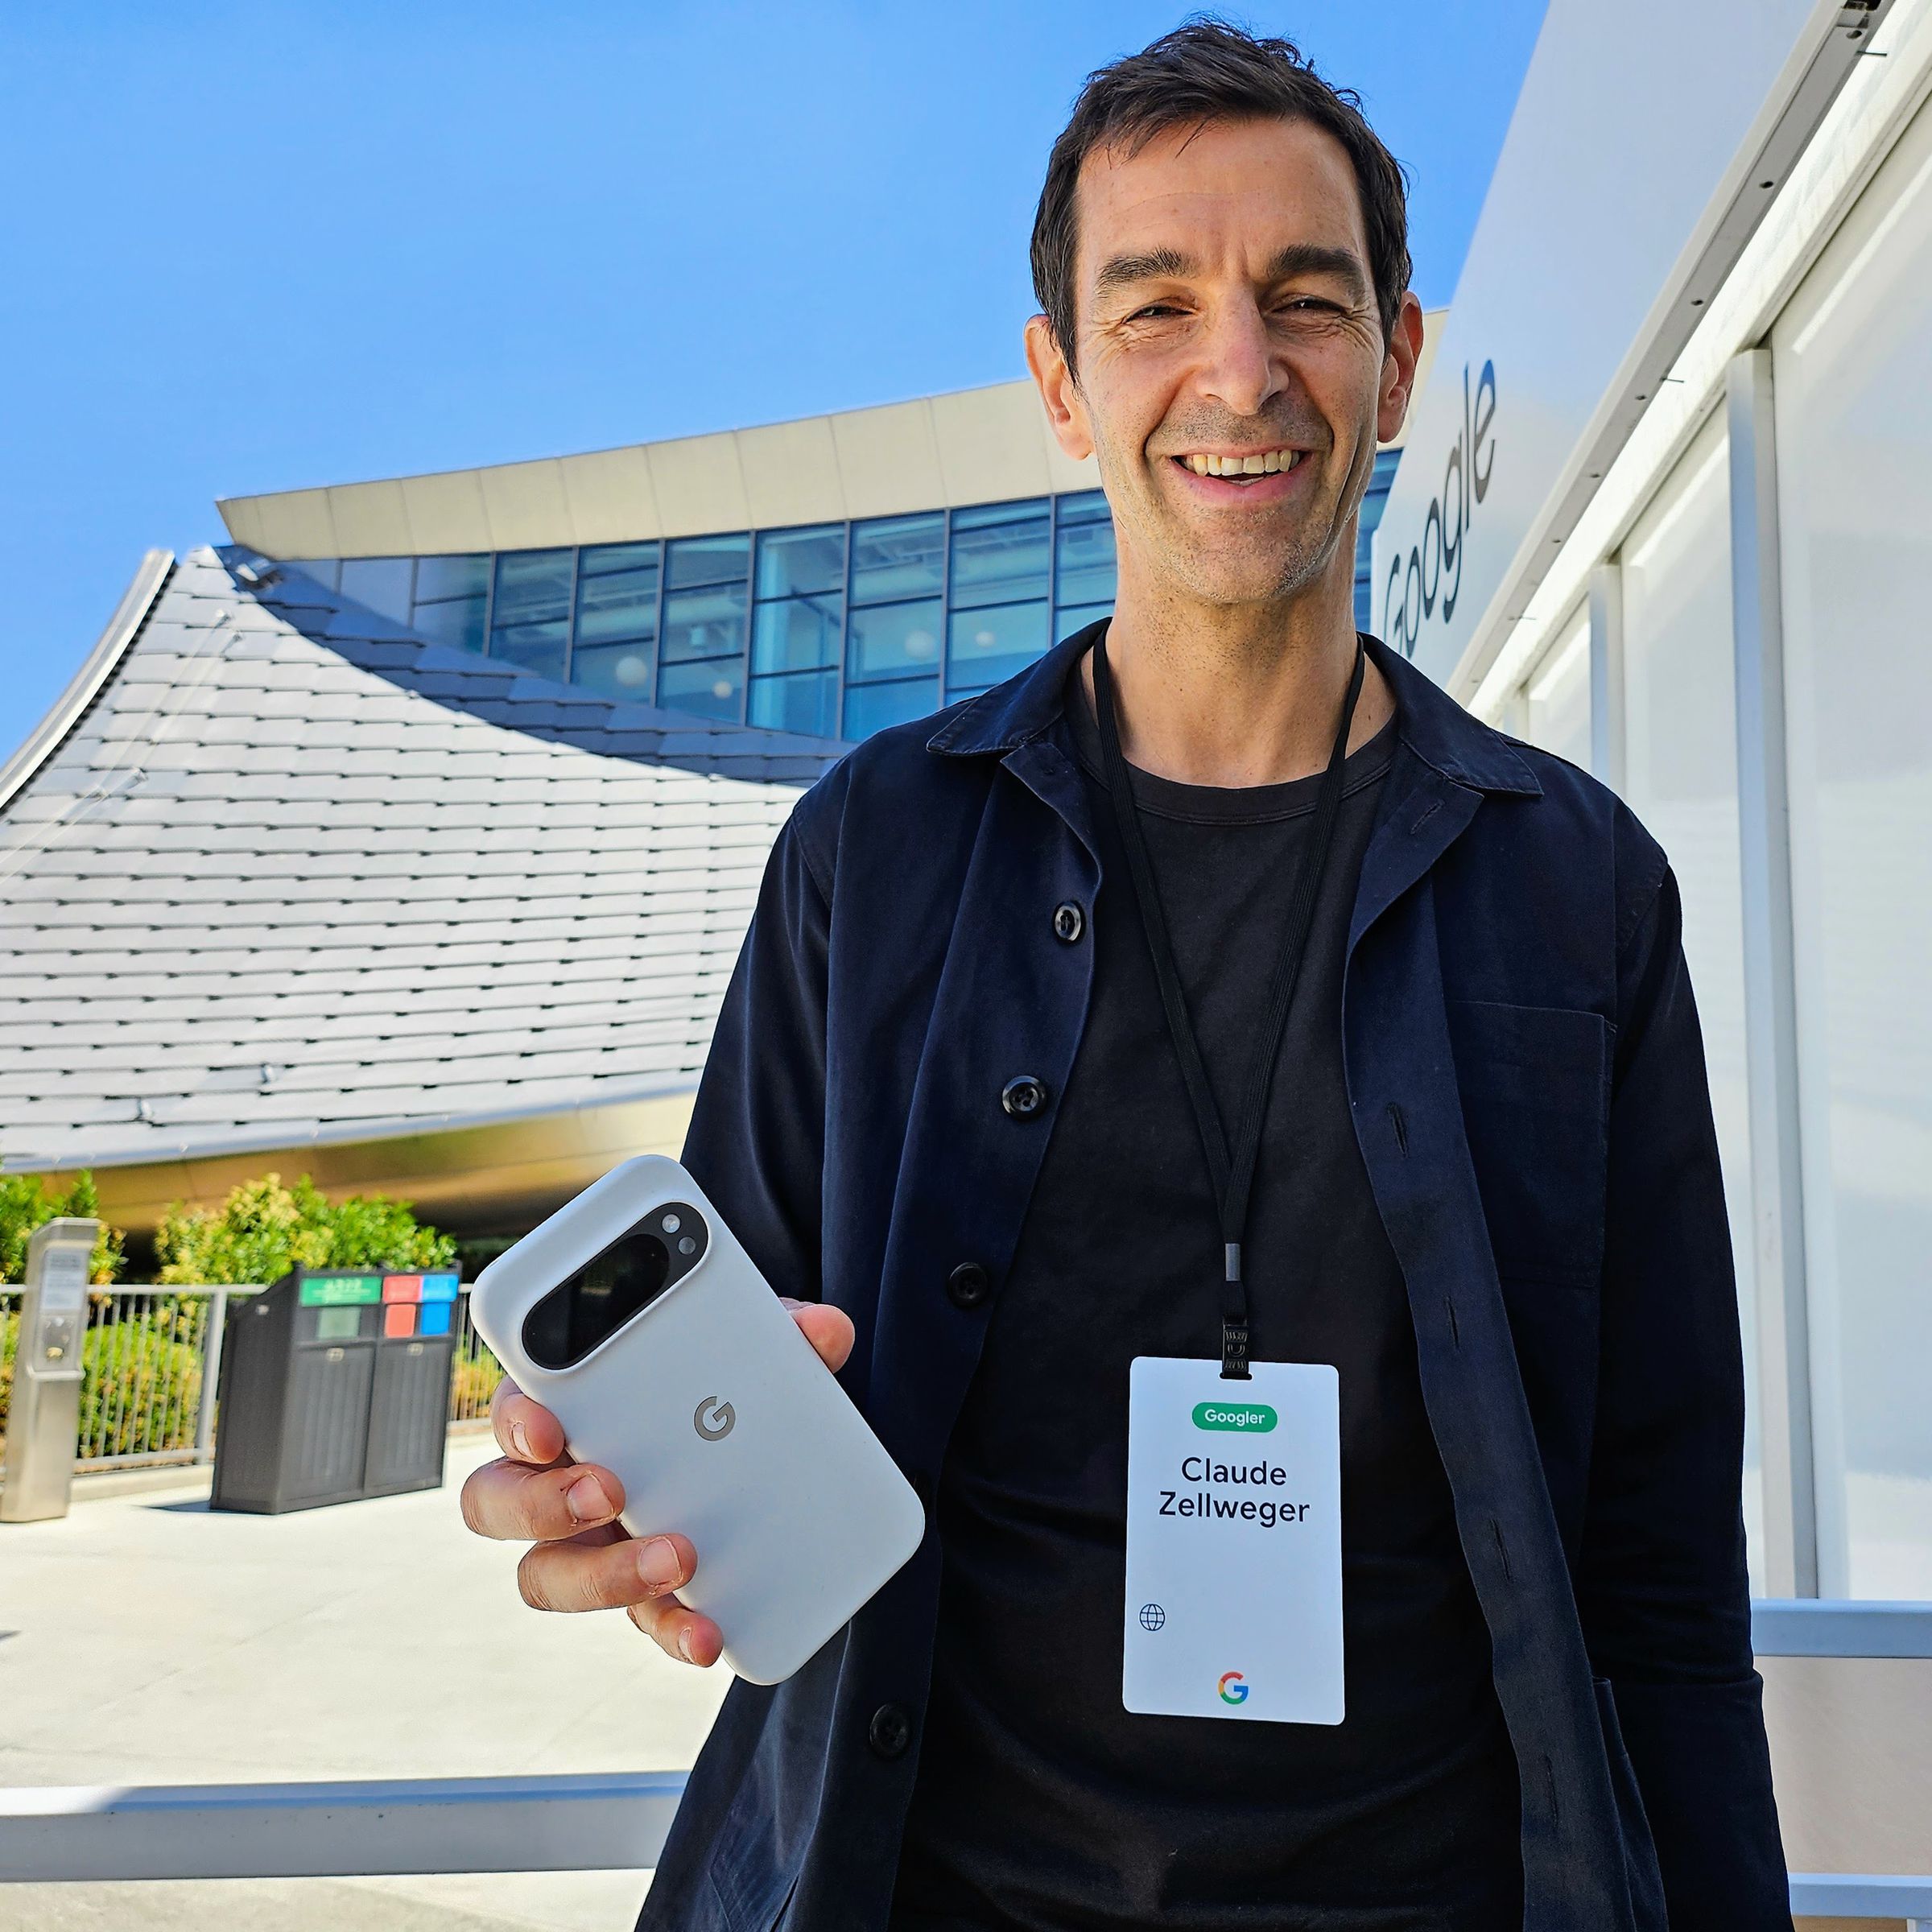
{"x":1234,"y":1543}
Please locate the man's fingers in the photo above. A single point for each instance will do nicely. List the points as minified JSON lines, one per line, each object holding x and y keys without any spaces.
{"x":678,"y":1631}
{"x":512,"y":1501}
{"x":525,"y":1430}
{"x":592,"y":1574}
{"x":829,"y":1330}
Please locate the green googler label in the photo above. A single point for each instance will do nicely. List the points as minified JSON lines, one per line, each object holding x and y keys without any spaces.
{"x":333,"y":1290}
{"x":1243,"y":1419}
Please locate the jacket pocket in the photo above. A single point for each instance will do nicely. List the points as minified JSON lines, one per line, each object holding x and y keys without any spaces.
{"x":1534,"y":1083}
{"x":1648,"y":1913}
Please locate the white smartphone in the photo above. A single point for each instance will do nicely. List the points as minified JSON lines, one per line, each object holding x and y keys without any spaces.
{"x":634,"y":1315}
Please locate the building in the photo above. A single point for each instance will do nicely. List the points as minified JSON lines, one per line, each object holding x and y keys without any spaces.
{"x":1667,"y":509}
{"x":408,"y":839}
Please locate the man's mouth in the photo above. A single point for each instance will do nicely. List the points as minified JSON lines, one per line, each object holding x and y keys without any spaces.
{"x":1241,"y":468}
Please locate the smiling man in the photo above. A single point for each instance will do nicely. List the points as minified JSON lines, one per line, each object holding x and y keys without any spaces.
{"x":1239,"y":1127}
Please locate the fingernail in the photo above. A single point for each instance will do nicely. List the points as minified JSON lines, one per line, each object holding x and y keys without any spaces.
{"x":520,"y":1442}
{"x":587,"y":1500}
{"x":684,"y":1645}
{"x":658,"y":1563}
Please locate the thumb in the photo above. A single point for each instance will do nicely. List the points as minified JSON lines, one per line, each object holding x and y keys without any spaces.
{"x":829,"y":1330}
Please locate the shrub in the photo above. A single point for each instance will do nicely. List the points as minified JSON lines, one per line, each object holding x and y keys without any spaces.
{"x":143,"y":1385}
{"x":263,"y":1229}
{"x":26,"y":1202}
{"x":473,"y":1377}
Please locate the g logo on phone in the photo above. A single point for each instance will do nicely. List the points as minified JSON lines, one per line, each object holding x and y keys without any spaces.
{"x":721,"y":1423}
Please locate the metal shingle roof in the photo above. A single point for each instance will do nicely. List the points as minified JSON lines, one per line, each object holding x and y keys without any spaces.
{"x":289,"y":873}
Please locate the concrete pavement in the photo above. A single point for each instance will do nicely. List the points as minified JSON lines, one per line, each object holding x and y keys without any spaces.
{"x":146,"y":1640}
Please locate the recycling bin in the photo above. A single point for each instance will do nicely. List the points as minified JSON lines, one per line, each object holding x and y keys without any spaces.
{"x":335,"y":1386}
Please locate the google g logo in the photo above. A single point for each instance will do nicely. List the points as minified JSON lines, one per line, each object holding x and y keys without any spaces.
{"x":1232,"y":1689}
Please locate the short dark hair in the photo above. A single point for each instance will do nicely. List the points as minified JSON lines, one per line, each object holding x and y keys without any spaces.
{"x":1206,"y":71}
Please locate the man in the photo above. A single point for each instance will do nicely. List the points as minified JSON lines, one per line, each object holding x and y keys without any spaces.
{"x":1216,"y":1000}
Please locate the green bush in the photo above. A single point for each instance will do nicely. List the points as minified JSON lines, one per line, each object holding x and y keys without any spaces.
{"x":263,"y":1229}
{"x":26,"y":1202}
{"x":474,"y":1374}
{"x":143,"y":1384}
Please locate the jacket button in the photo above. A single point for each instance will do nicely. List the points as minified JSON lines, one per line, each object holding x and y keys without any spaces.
{"x":1024,"y":1097}
{"x":968,"y":1285}
{"x":890,"y":1731}
{"x":1069,"y":922}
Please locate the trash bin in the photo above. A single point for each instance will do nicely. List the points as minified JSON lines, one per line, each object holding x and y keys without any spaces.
{"x":333,"y":1388}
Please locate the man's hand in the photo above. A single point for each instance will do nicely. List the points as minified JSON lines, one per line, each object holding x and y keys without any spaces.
{"x":581,"y":1557}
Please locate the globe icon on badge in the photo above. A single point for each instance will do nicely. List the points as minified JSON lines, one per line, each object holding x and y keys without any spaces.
{"x":1152,"y":1616}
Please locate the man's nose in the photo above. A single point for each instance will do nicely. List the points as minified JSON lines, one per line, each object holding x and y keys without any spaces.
{"x":1238,"y":368}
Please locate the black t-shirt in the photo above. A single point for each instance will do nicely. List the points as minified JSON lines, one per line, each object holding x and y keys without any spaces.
{"x":1040,"y":1801}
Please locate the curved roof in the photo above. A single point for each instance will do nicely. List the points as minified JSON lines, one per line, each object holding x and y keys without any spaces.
{"x":277,"y":872}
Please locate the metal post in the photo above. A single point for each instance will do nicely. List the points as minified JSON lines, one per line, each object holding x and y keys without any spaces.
{"x":1783,"y":1392}
{"x":211,"y":1375}
{"x":1607,"y":733}
{"x":43,"y":1414}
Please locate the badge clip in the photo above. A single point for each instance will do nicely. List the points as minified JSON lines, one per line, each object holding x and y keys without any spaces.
{"x":1234,"y":1352}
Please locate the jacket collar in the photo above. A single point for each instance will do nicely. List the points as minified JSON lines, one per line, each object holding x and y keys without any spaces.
{"x":1428,"y":721}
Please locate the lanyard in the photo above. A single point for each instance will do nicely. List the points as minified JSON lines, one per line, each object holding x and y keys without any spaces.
{"x":1230,"y":1170}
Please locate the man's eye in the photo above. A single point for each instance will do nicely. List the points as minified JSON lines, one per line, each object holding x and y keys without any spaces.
{"x":1154,"y":308}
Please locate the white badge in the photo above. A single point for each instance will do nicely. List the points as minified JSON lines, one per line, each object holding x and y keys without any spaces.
{"x":1234,"y":1543}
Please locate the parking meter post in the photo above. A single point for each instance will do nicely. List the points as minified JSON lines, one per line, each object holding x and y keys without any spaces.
{"x":43,"y":1411}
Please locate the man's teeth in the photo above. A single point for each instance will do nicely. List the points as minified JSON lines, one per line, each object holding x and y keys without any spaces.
{"x":1267,"y":466}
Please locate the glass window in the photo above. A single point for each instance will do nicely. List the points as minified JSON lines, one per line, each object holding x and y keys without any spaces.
{"x":1375,"y":499}
{"x":713,"y":690}
{"x":983,"y":647}
{"x":894,"y":640}
{"x":1556,"y":697}
{"x":321,"y":570}
{"x":870,"y":707}
{"x":1084,"y":562}
{"x":797,"y":630}
{"x":457,"y":620}
{"x":796,"y":633}
{"x":1077,"y":617}
{"x":999,"y":554}
{"x":1681,"y":758}
{"x":1854,"y":414}
{"x":707,"y":623}
{"x":615,"y":671}
{"x":796,"y":562}
{"x":379,"y":584}
{"x":458,"y":576}
{"x":803,"y":700}
{"x":600,"y":559}
{"x":530,"y":620}
{"x":618,"y":595}
{"x":898,"y":557}
{"x":697,"y":560}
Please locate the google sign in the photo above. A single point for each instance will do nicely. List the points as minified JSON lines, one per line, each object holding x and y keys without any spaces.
{"x":1426,"y":582}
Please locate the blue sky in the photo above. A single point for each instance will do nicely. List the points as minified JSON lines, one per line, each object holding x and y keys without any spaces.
{"x":251,"y":247}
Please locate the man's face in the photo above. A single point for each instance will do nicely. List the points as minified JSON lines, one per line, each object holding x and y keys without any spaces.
{"x":1226,"y":321}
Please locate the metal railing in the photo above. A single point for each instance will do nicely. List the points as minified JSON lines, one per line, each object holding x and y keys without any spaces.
{"x":151,"y":1363}
{"x":473,"y":1371}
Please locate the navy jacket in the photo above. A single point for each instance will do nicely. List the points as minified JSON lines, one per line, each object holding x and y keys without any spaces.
{"x":1528,"y":1083}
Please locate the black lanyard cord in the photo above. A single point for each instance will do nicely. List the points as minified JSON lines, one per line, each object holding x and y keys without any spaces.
{"x":1231,"y":1169}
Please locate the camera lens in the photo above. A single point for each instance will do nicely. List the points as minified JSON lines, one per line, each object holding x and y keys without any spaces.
{"x":577,"y":1314}
{"x":671,"y":1224}
{"x":687,"y":1246}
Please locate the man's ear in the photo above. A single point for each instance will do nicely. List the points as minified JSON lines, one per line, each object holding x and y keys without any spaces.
{"x":1066,"y":408}
{"x":1398,"y":369}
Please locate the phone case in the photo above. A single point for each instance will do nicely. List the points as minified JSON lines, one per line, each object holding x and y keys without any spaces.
{"x":721,"y":1420}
